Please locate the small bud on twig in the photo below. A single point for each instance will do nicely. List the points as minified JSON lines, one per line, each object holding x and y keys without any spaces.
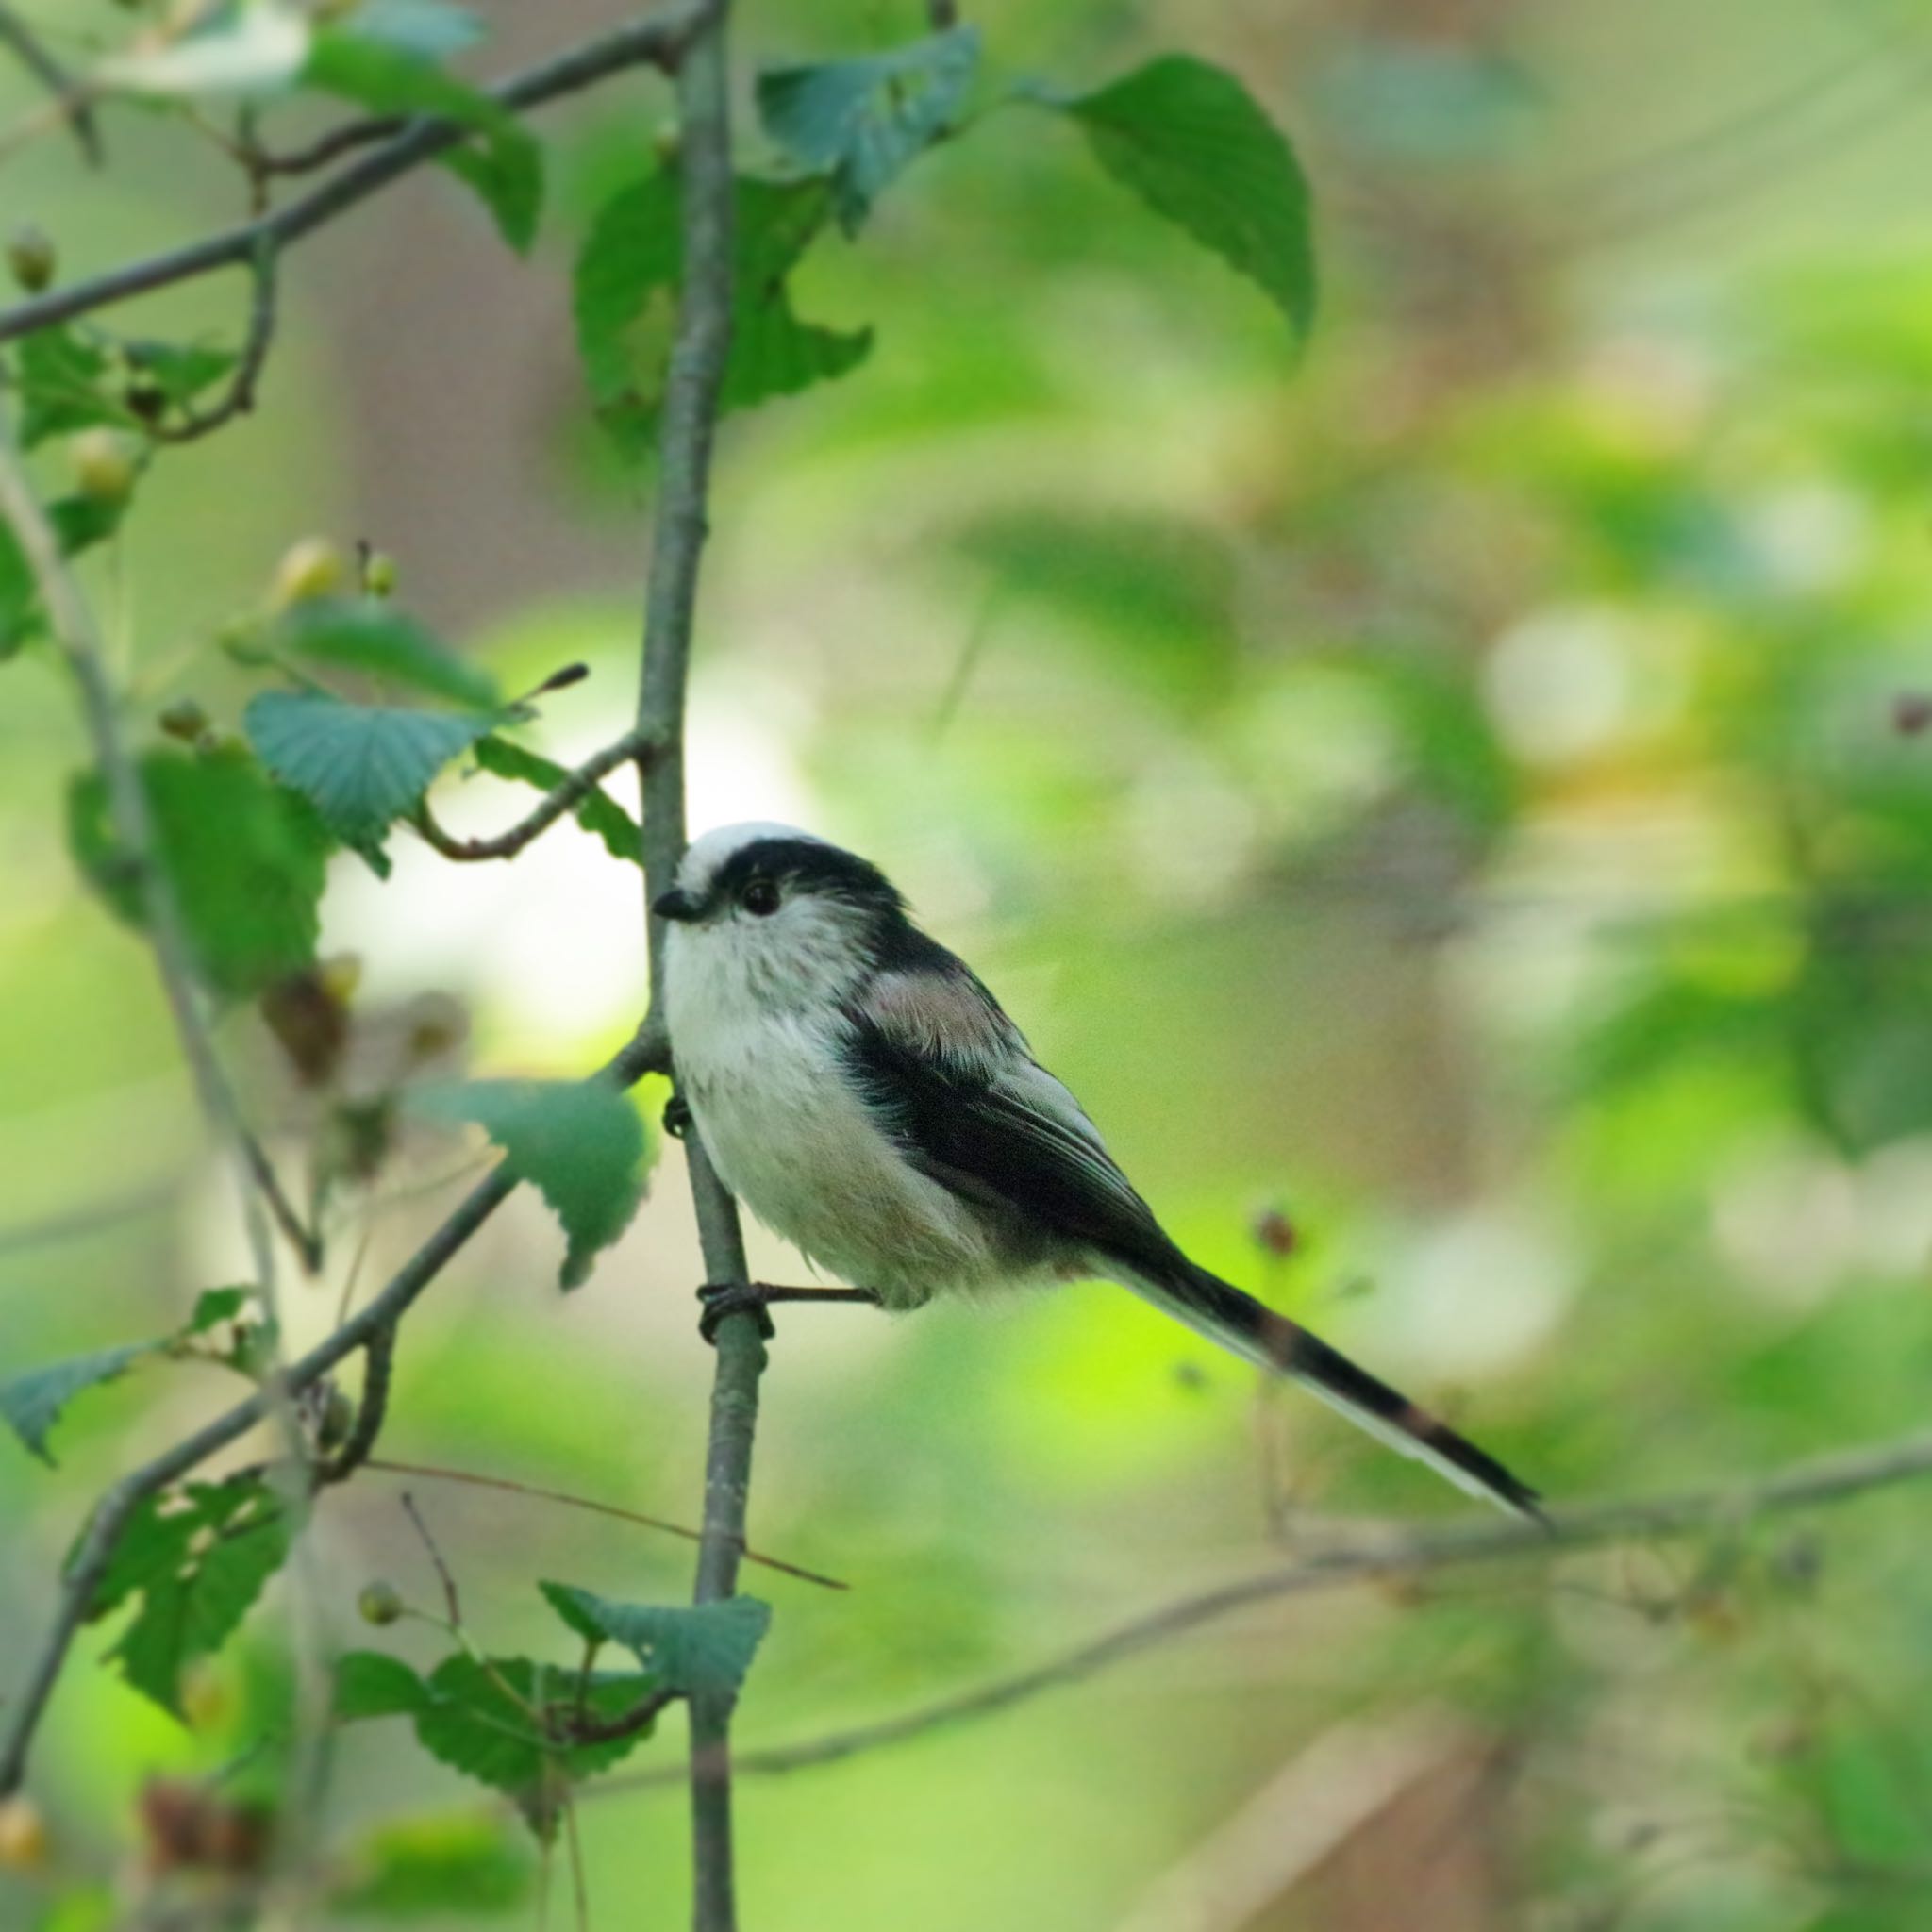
{"x":30,"y":257}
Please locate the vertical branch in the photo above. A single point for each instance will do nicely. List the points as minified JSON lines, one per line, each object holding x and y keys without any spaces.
{"x":690,"y":409}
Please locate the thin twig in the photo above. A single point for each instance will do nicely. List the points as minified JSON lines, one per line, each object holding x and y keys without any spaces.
{"x":612,"y":1510}
{"x":1397,"y":1551}
{"x":635,"y":748}
{"x":451,"y":1601}
{"x":327,"y":147}
{"x":70,"y":98}
{"x":239,"y":398}
{"x":378,"y":1364}
{"x":306,"y":1240}
{"x":656,"y":42}
{"x":583,"y":1729}
{"x":645,"y":1054}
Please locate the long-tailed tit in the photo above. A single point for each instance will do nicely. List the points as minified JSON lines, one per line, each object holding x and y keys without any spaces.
{"x":863,"y":1094}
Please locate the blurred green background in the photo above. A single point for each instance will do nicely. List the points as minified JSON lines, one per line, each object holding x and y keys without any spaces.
{"x":1465,"y":791}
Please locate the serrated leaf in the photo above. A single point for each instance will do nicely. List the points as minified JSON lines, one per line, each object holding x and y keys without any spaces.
{"x":627,"y":283}
{"x":699,"y":1649}
{"x":31,"y":1403}
{"x":860,"y":121}
{"x":458,"y":1862}
{"x":483,"y":1720}
{"x":389,"y":78}
{"x":579,"y":1142}
{"x":599,"y":814}
{"x":60,"y":375}
{"x":247,"y":859}
{"x":1191,"y":140}
{"x":370,"y":1684}
{"x":369,"y":635}
{"x":196,"y":1558}
{"x":362,"y":766}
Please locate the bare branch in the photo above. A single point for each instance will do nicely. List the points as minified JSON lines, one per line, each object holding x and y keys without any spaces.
{"x":637,"y":746}
{"x":1397,"y":1551}
{"x":70,"y":98}
{"x":656,"y":42}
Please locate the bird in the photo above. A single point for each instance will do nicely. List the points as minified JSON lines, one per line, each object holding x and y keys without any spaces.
{"x":858,"y":1088}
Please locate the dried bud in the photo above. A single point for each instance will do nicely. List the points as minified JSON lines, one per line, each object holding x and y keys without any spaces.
{"x":30,"y":255}
{"x":315,"y":567}
{"x":1275,"y":1234}
{"x":145,"y":395}
{"x":379,"y":1603}
{"x":23,"y":1836}
{"x":1911,"y":712}
{"x":104,"y":466}
{"x":184,"y":719}
{"x":379,"y":573}
{"x":310,"y":1020}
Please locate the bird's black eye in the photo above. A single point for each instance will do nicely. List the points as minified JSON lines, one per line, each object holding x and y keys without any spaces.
{"x":760,"y":898}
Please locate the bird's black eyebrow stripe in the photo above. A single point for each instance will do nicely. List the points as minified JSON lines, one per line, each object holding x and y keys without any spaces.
{"x":805,"y":861}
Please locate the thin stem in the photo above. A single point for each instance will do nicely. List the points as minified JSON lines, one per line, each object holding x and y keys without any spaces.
{"x":656,"y":42}
{"x":635,"y":748}
{"x":378,"y":1363}
{"x":239,"y":398}
{"x":610,"y":1509}
{"x":69,"y":99}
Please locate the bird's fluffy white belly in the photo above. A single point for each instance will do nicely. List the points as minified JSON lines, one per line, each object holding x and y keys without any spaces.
{"x":794,"y":1143}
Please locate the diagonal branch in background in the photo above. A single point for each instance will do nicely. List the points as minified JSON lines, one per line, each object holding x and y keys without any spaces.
{"x":657,"y":41}
{"x":1400,"y":1550}
{"x":69,"y":99}
{"x":645,"y":1054}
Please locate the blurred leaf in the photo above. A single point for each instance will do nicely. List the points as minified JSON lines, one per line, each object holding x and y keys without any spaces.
{"x":482,"y":1718}
{"x":579,"y":1142}
{"x":60,"y":374}
{"x":1191,"y":140}
{"x":389,"y":76}
{"x":431,"y":29}
{"x":628,"y":276}
{"x":458,"y":1862}
{"x":197,"y":1558}
{"x":370,"y":635}
{"x":247,"y":861}
{"x":252,"y":51}
{"x":182,"y":370}
{"x":372,"y":1683}
{"x":695,"y":1648}
{"x":81,"y":521}
{"x":860,"y":121}
{"x":362,"y":766}
{"x":31,"y":1403}
{"x":78,"y":523}
{"x":599,"y":814}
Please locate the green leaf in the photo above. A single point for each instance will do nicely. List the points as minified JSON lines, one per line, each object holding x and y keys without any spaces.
{"x":78,"y":523}
{"x":861,"y":122}
{"x":483,"y":1719}
{"x":247,"y":859}
{"x":1191,"y":140}
{"x":626,"y":286}
{"x":196,"y":1557}
{"x":362,"y":766}
{"x":181,"y":371}
{"x":579,"y":1142}
{"x":31,"y":1403}
{"x":370,"y":1684}
{"x":370,"y":635}
{"x":699,"y":1649}
{"x":457,"y":1862}
{"x":389,"y":77}
{"x":599,"y":814}
{"x":60,"y":374}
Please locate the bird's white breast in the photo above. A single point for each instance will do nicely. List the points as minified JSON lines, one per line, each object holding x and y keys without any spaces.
{"x":791,"y":1139}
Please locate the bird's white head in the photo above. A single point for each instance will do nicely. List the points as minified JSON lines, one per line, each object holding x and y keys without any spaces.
{"x":771,"y":916}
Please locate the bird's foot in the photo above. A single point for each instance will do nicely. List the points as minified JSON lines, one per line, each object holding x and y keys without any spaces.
{"x":722,"y":1298}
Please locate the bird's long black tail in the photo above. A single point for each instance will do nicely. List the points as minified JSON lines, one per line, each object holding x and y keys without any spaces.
{"x":1239,"y":1322}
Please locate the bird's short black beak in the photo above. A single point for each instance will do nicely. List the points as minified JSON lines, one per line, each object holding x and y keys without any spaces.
{"x":674,"y":905}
